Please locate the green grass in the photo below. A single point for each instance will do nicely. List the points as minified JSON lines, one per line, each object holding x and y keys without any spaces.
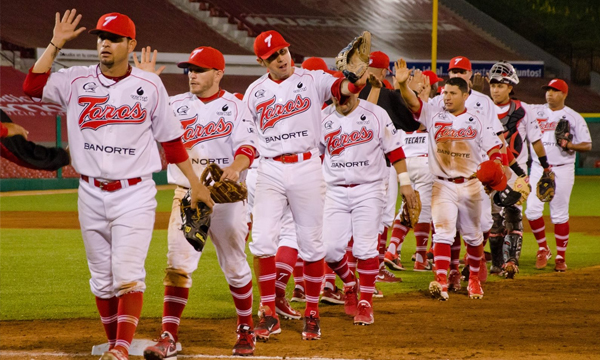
{"x":44,"y":274}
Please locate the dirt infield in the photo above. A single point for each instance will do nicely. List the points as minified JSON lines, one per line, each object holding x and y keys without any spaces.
{"x":549,"y":316}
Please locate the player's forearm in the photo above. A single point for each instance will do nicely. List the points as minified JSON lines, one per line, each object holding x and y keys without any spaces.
{"x":411,"y":100}
{"x":400,"y":167}
{"x":44,"y":63}
{"x":581,"y":147}
{"x":538,"y":147}
{"x":188,"y":171}
{"x":240,"y":163}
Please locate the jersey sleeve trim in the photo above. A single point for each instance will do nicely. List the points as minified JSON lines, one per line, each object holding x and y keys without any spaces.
{"x":34,"y":83}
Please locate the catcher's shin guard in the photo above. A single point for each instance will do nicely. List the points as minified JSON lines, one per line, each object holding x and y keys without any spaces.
{"x":496,"y":240}
{"x":514,"y":235}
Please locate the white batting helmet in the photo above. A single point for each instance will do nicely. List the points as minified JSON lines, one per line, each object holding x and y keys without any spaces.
{"x":504,"y":73}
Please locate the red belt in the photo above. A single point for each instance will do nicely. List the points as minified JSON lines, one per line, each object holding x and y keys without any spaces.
{"x":111,"y":186}
{"x":348,"y":186}
{"x":424,"y":155}
{"x":456,"y":180}
{"x":292,"y":158}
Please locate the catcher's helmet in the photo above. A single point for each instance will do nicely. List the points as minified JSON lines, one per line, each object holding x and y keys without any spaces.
{"x":503,"y":72}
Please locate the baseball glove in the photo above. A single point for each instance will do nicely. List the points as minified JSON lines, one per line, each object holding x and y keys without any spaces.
{"x":506,"y":197}
{"x":222,"y":191}
{"x":563,"y":133}
{"x":546,"y":186}
{"x":353,"y":60}
{"x":409,"y":217}
{"x":523,"y":187}
{"x":195,"y":222}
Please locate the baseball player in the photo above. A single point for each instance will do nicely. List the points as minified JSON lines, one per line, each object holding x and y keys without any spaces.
{"x":520,"y":125}
{"x":460,"y":66}
{"x":217,"y":129}
{"x":561,"y":157}
{"x":457,"y":137}
{"x":286,"y":105}
{"x":417,"y":162}
{"x":115,"y":115}
{"x":390,"y":100}
{"x":355,"y":137}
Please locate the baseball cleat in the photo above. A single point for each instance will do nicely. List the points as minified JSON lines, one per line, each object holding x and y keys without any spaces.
{"x":350,"y":300}
{"x":392,"y":261}
{"x":244,"y":346}
{"x":437,"y":291}
{"x":298,"y":295}
{"x":333,"y":297}
{"x":114,"y":354}
{"x":474,"y":289}
{"x":378,"y":293}
{"x":495,"y":270}
{"x":386,"y":276}
{"x":422,"y":266}
{"x":283,"y":308}
{"x":164,"y":349}
{"x":268,"y":324}
{"x":542,"y":257}
{"x":510,"y":269}
{"x":312,"y":328}
{"x":559,"y":264}
{"x":454,"y":281}
{"x":365,"y":314}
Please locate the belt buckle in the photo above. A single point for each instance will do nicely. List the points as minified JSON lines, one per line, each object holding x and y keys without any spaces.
{"x":102,"y":184}
{"x":284,"y":157}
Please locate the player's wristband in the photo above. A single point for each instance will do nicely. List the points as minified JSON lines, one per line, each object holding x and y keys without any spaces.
{"x":496,"y":156}
{"x":247,"y":151}
{"x":404,"y":179}
{"x":517,"y":169}
{"x":504,"y":159}
{"x":544,"y":161}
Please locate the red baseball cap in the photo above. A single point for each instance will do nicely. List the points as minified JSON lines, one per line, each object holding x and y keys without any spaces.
{"x":205,"y":57}
{"x":490,"y":174}
{"x":380,"y":60}
{"x":316,"y":63}
{"x":557,"y":84}
{"x":433,"y":78}
{"x":267,"y":42}
{"x":115,"y":23}
{"x":460,"y":62}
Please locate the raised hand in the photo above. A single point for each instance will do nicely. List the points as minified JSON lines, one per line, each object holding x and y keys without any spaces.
{"x":478,"y":82}
{"x":65,"y":29}
{"x":402,"y":72}
{"x":147,"y":62}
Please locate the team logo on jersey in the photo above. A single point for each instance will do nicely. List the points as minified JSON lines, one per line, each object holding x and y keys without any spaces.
{"x":337,"y":142}
{"x":260,"y":93}
{"x":196,"y":133}
{"x":300,"y":87}
{"x":96,"y":113}
{"x":471,"y":119}
{"x":363,"y":117}
{"x":391,"y":128}
{"x":546,"y":125}
{"x":183,"y":110}
{"x":90,"y":87}
{"x":269,"y":113}
{"x":225,"y":107}
{"x":139,"y":96}
{"x":328,"y":125}
{"x":445,"y":132}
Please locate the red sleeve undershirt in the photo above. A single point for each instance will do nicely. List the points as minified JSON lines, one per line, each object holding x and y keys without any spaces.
{"x":417,"y":114}
{"x":396,"y":155}
{"x":175,"y":151}
{"x":4,"y":131}
{"x":34,"y":83}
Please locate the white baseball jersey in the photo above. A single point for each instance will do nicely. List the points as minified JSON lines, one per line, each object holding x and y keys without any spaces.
{"x":527,"y":128}
{"x":354,"y":145}
{"x":212,"y":132}
{"x":456,"y":143}
{"x":415,"y":143}
{"x":547,"y":120}
{"x":477,"y":102}
{"x":113,"y":125}
{"x":288,"y":113}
